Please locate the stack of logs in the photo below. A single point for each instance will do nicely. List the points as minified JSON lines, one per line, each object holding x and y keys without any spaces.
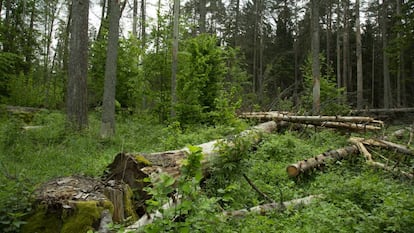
{"x":353,"y":123}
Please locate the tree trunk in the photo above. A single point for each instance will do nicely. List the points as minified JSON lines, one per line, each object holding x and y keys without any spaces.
{"x":316,"y":72}
{"x":108,"y":114}
{"x":271,"y":207}
{"x":303,"y":166}
{"x":360,"y":82}
{"x":202,"y":20}
{"x":174,"y":57}
{"x":135,"y":18}
{"x":338,"y":122}
{"x":345,"y":48}
{"x":338,"y":47}
{"x":170,"y":162}
{"x":385,"y":64}
{"x":76,"y":100}
{"x":143,"y":23}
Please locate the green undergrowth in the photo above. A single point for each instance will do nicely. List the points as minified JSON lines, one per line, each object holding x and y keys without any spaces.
{"x":356,"y":197}
{"x":30,"y":157}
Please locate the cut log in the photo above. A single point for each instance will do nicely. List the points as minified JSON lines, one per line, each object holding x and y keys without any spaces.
{"x":275,"y":206}
{"x":303,"y":166}
{"x":338,"y":122}
{"x":284,"y":116}
{"x":383,"y":110}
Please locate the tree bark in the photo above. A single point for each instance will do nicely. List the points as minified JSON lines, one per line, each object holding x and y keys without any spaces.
{"x":202,"y":19}
{"x":345,"y":48}
{"x":174,"y":57}
{"x":281,"y":116}
{"x":360,"y":82}
{"x":76,"y":99}
{"x":134,"y":18}
{"x":338,"y":47}
{"x":303,"y":166}
{"x":143,"y":23}
{"x":108,"y":114}
{"x":316,"y":72}
{"x":385,"y":63}
{"x":275,"y":206}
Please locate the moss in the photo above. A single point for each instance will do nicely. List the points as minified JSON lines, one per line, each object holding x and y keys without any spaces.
{"x":129,"y":209}
{"x":43,"y":221}
{"x":142,"y":160}
{"x":84,"y":216}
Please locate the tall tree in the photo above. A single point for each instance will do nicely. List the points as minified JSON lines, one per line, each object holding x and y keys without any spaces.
{"x":76,"y":100}
{"x":143,"y":23}
{"x":108,"y":114}
{"x":316,"y":72}
{"x":360,"y":81}
{"x":338,"y":45}
{"x":345,"y":49}
{"x":174,"y":57}
{"x":385,"y":59}
{"x":134,"y":17}
{"x":203,"y":13}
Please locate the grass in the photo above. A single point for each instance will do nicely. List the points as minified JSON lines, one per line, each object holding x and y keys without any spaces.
{"x":358,"y":198}
{"x":30,"y":157}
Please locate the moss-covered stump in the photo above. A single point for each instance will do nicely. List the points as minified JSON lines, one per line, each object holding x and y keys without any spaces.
{"x":127,"y":168}
{"x":68,"y":204}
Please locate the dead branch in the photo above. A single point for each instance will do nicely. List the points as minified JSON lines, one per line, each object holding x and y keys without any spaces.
{"x":257,"y":189}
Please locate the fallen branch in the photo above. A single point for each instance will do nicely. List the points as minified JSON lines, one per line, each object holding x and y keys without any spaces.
{"x":385,"y":144}
{"x":295,"y":169}
{"x":257,"y":189}
{"x":360,"y":143}
{"x":274,"y":206}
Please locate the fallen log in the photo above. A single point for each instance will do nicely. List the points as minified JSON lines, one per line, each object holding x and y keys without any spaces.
{"x":303,"y":166}
{"x":275,"y":206}
{"x":285,"y":116}
{"x":339,"y":122}
{"x":360,"y":143}
{"x":382,"y":110}
{"x":388,"y":145}
{"x":260,"y":209}
{"x":170,"y":162}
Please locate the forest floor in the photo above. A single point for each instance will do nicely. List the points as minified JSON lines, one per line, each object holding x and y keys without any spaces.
{"x":356,"y":197}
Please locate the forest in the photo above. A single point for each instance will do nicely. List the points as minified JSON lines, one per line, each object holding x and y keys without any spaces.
{"x":206,"y":116}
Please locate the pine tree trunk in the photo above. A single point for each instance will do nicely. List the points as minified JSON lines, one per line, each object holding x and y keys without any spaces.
{"x":143,"y":23}
{"x":202,"y":19}
{"x":108,"y":114}
{"x":338,"y":47}
{"x":174,"y":57}
{"x":385,"y":64}
{"x":360,"y":89}
{"x":315,"y":57}
{"x":134,"y":18}
{"x":345,"y":33}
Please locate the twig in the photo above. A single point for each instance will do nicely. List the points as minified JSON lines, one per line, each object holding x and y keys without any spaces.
{"x":257,"y":190}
